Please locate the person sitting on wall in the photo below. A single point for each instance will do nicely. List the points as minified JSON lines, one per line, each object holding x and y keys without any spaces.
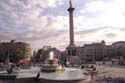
{"x":94,"y":69}
{"x":82,"y":66}
{"x":92,"y":66}
{"x":37,"y":77}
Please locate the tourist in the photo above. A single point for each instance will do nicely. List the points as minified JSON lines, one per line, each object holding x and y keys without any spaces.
{"x":37,"y":77}
{"x":82,"y":66}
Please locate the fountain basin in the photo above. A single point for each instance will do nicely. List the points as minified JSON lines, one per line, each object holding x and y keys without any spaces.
{"x":68,"y":75}
{"x":64,"y":81}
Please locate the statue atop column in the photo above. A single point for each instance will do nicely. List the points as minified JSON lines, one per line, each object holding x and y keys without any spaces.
{"x":70,"y":2}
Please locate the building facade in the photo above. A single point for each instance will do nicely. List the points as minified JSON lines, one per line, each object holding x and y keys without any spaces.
{"x":119,"y":48}
{"x":110,"y":52}
{"x":94,"y":51}
{"x":15,"y":50}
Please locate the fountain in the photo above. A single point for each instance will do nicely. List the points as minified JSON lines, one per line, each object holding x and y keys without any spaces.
{"x":58,"y":74}
{"x":50,"y":72}
{"x":51,"y":65}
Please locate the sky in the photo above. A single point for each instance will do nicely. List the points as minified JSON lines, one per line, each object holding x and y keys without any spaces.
{"x":46,"y":22}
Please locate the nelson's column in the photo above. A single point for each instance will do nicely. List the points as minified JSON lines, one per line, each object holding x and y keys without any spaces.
{"x":70,"y":9}
{"x":71,"y":49}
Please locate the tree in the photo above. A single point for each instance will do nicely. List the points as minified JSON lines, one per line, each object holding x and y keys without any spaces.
{"x":15,"y":57}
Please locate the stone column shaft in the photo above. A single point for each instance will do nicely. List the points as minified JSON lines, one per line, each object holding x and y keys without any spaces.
{"x":71,"y":29}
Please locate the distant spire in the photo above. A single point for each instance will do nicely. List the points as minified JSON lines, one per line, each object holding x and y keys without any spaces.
{"x":70,"y":2}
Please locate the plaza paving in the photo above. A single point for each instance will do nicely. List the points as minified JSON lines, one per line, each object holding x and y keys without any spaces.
{"x":113,"y":71}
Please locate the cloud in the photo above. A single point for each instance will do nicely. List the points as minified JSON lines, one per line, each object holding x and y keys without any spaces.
{"x":111,"y":35}
{"x":42,"y":3}
{"x":93,"y":30}
{"x":46,"y":22}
